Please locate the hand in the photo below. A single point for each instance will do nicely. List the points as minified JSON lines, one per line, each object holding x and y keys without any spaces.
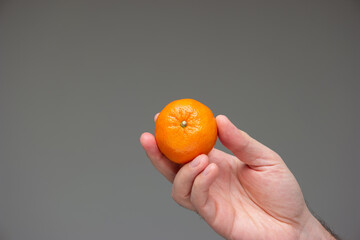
{"x":252,"y":195}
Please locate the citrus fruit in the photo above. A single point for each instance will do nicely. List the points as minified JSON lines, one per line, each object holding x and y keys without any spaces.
{"x":184,"y":129}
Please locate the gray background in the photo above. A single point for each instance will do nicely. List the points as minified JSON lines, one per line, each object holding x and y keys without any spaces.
{"x":81,"y":80}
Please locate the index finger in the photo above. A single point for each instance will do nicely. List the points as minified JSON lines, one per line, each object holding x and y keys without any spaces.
{"x":160,"y":162}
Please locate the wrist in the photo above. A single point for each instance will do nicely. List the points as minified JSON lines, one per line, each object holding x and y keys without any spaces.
{"x":313,"y":229}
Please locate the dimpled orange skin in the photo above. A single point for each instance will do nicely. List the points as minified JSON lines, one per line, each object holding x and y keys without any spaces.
{"x":182,"y":144}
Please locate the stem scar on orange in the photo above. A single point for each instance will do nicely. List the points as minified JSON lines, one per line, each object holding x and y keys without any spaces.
{"x":184,"y":129}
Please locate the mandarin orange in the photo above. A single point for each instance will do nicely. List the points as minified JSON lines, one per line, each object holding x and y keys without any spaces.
{"x":184,"y":129}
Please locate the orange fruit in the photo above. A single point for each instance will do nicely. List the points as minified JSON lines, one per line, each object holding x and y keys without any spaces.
{"x":184,"y":129}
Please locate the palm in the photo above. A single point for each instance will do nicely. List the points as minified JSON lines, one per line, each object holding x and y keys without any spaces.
{"x":250,"y":202}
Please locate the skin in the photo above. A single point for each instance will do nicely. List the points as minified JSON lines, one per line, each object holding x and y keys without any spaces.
{"x":249,"y":195}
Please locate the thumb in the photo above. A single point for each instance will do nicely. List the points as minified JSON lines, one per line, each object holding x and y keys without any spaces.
{"x":244,"y":147}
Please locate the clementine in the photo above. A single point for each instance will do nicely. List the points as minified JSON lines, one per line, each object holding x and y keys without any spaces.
{"x":184,"y":129}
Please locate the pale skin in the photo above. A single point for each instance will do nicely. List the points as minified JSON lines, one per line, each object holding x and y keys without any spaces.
{"x":249,"y":195}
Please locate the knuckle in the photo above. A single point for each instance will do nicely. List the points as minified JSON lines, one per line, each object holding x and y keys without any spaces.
{"x":182,"y":200}
{"x":174,"y":196}
{"x":275,"y":155}
{"x":245,"y":134}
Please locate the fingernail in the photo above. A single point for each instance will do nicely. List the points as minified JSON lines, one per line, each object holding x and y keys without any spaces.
{"x":196,"y":162}
{"x":223,"y":115}
{"x":207,"y":170}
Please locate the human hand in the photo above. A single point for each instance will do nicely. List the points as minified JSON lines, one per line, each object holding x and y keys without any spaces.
{"x":252,"y":195}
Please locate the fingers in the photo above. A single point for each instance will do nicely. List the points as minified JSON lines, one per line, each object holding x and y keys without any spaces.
{"x":156,"y":116}
{"x":191,"y":183}
{"x":200,"y":192}
{"x":160,"y":162}
{"x":243,"y":146}
{"x":183,"y":182}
